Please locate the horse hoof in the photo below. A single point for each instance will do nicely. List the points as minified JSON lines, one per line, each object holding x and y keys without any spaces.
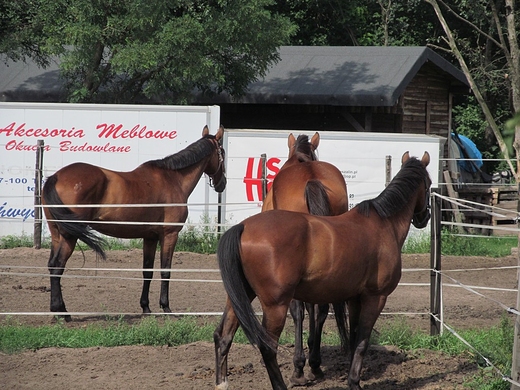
{"x":298,"y":381}
{"x":222,"y":386}
{"x":66,"y":318}
{"x":316,"y":373}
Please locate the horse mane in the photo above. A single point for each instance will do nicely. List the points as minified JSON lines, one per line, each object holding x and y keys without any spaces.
{"x":398,"y":193}
{"x":303,"y":149}
{"x":187,"y":157}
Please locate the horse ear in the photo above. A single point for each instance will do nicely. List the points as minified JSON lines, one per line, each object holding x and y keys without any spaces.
{"x":220,"y":133}
{"x":425,"y":159}
{"x":291,"y":141}
{"x":315,"y":140}
{"x":205,"y":131}
{"x":405,"y":157}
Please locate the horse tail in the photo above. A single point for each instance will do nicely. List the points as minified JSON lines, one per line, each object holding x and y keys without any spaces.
{"x":340,"y":313}
{"x":316,"y":198}
{"x":65,"y":219}
{"x":238,"y":288}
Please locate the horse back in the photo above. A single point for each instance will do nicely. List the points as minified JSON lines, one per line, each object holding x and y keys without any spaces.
{"x":291,"y":184}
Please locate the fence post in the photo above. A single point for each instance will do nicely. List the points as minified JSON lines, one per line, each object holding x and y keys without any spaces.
{"x":388,"y":170}
{"x":435,"y":266}
{"x":263,"y":158}
{"x":38,"y":176}
{"x":515,"y":366}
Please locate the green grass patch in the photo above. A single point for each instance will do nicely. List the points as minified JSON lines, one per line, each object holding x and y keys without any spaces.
{"x":495,"y":343}
{"x":16,"y":337}
{"x":457,"y":245}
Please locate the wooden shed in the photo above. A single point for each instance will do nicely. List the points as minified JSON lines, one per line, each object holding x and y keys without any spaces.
{"x":349,"y":88}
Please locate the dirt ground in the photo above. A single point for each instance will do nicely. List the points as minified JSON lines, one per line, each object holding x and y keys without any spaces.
{"x":92,"y":287}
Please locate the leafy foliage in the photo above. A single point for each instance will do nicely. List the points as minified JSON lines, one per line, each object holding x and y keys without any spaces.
{"x":133,"y":50}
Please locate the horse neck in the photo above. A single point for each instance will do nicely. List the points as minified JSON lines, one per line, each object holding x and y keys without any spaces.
{"x":191,"y":175}
{"x":402,"y":220}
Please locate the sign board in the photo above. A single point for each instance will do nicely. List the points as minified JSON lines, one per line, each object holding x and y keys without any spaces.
{"x":117,"y":137}
{"x":361,"y":157}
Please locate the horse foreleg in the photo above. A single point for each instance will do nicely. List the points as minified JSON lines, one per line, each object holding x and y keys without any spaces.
{"x":371,"y":307}
{"x":223,"y":337}
{"x":297,"y":313}
{"x":61,"y":250}
{"x":317,"y":316}
{"x":167,"y":247}
{"x":149,"y":248}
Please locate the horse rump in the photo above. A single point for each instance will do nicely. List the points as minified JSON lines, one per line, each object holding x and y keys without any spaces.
{"x":65,"y":219}
{"x":238,"y":288}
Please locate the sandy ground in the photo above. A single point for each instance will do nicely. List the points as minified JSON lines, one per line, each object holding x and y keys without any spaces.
{"x":91,"y":286}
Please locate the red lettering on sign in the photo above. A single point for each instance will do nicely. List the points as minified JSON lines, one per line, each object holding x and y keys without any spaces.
{"x":114,"y":132}
{"x":21,"y":131}
{"x":256,"y":181}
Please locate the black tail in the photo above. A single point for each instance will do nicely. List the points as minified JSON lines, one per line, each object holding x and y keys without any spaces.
{"x":238,"y":288}
{"x":65,"y":219}
{"x":317,"y":198}
{"x":340,"y":313}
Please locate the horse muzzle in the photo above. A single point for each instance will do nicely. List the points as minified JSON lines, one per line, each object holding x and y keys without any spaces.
{"x":420,"y":220}
{"x":221,"y":185}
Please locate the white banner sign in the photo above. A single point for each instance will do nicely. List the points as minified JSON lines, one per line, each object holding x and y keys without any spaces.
{"x":117,"y":137}
{"x":361,"y":157}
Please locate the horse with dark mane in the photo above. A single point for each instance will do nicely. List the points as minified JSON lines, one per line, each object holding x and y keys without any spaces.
{"x":282,"y":255}
{"x":79,"y":191}
{"x":307,"y":185}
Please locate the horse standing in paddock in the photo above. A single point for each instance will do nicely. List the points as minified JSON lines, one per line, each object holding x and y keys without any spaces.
{"x":168,"y":180}
{"x":306,"y":185}
{"x":279,"y":255}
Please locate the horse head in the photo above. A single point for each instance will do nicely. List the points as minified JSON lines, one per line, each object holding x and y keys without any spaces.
{"x":215,"y":168}
{"x":302,"y":148}
{"x":421,"y":214}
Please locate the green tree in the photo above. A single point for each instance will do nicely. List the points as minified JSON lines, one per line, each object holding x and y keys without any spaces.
{"x":121,"y":51}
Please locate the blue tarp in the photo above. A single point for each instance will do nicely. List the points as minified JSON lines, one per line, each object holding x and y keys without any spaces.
{"x":468,"y":150}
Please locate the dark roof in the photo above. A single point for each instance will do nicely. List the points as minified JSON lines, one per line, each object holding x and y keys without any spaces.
{"x":341,"y":75}
{"x":325,"y":75}
{"x":26,"y":82}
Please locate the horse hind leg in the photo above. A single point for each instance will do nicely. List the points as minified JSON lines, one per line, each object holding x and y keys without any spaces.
{"x":296,"y":309}
{"x":317,"y":316}
{"x":273,"y":321}
{"x":223,"y":337}
{"x":167,"y":247}
{"x":149,"y":249}
{"x":61,"y":250}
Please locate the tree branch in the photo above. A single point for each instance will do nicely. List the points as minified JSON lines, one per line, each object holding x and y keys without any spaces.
{"x":450,"y":10}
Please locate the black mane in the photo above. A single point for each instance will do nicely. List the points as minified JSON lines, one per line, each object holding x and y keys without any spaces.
{"x":304,"y":150}
{"x":187,"y":157}
{"x":398,"y":193}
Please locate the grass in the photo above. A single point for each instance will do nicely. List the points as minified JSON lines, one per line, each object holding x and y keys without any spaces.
{"x":457,"y":245}
{"x":495,"y":343}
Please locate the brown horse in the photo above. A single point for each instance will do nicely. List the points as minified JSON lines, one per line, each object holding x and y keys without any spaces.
{"x":309,"y":186}
{"x":165,"y":181}
{"x":355,"y":257}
